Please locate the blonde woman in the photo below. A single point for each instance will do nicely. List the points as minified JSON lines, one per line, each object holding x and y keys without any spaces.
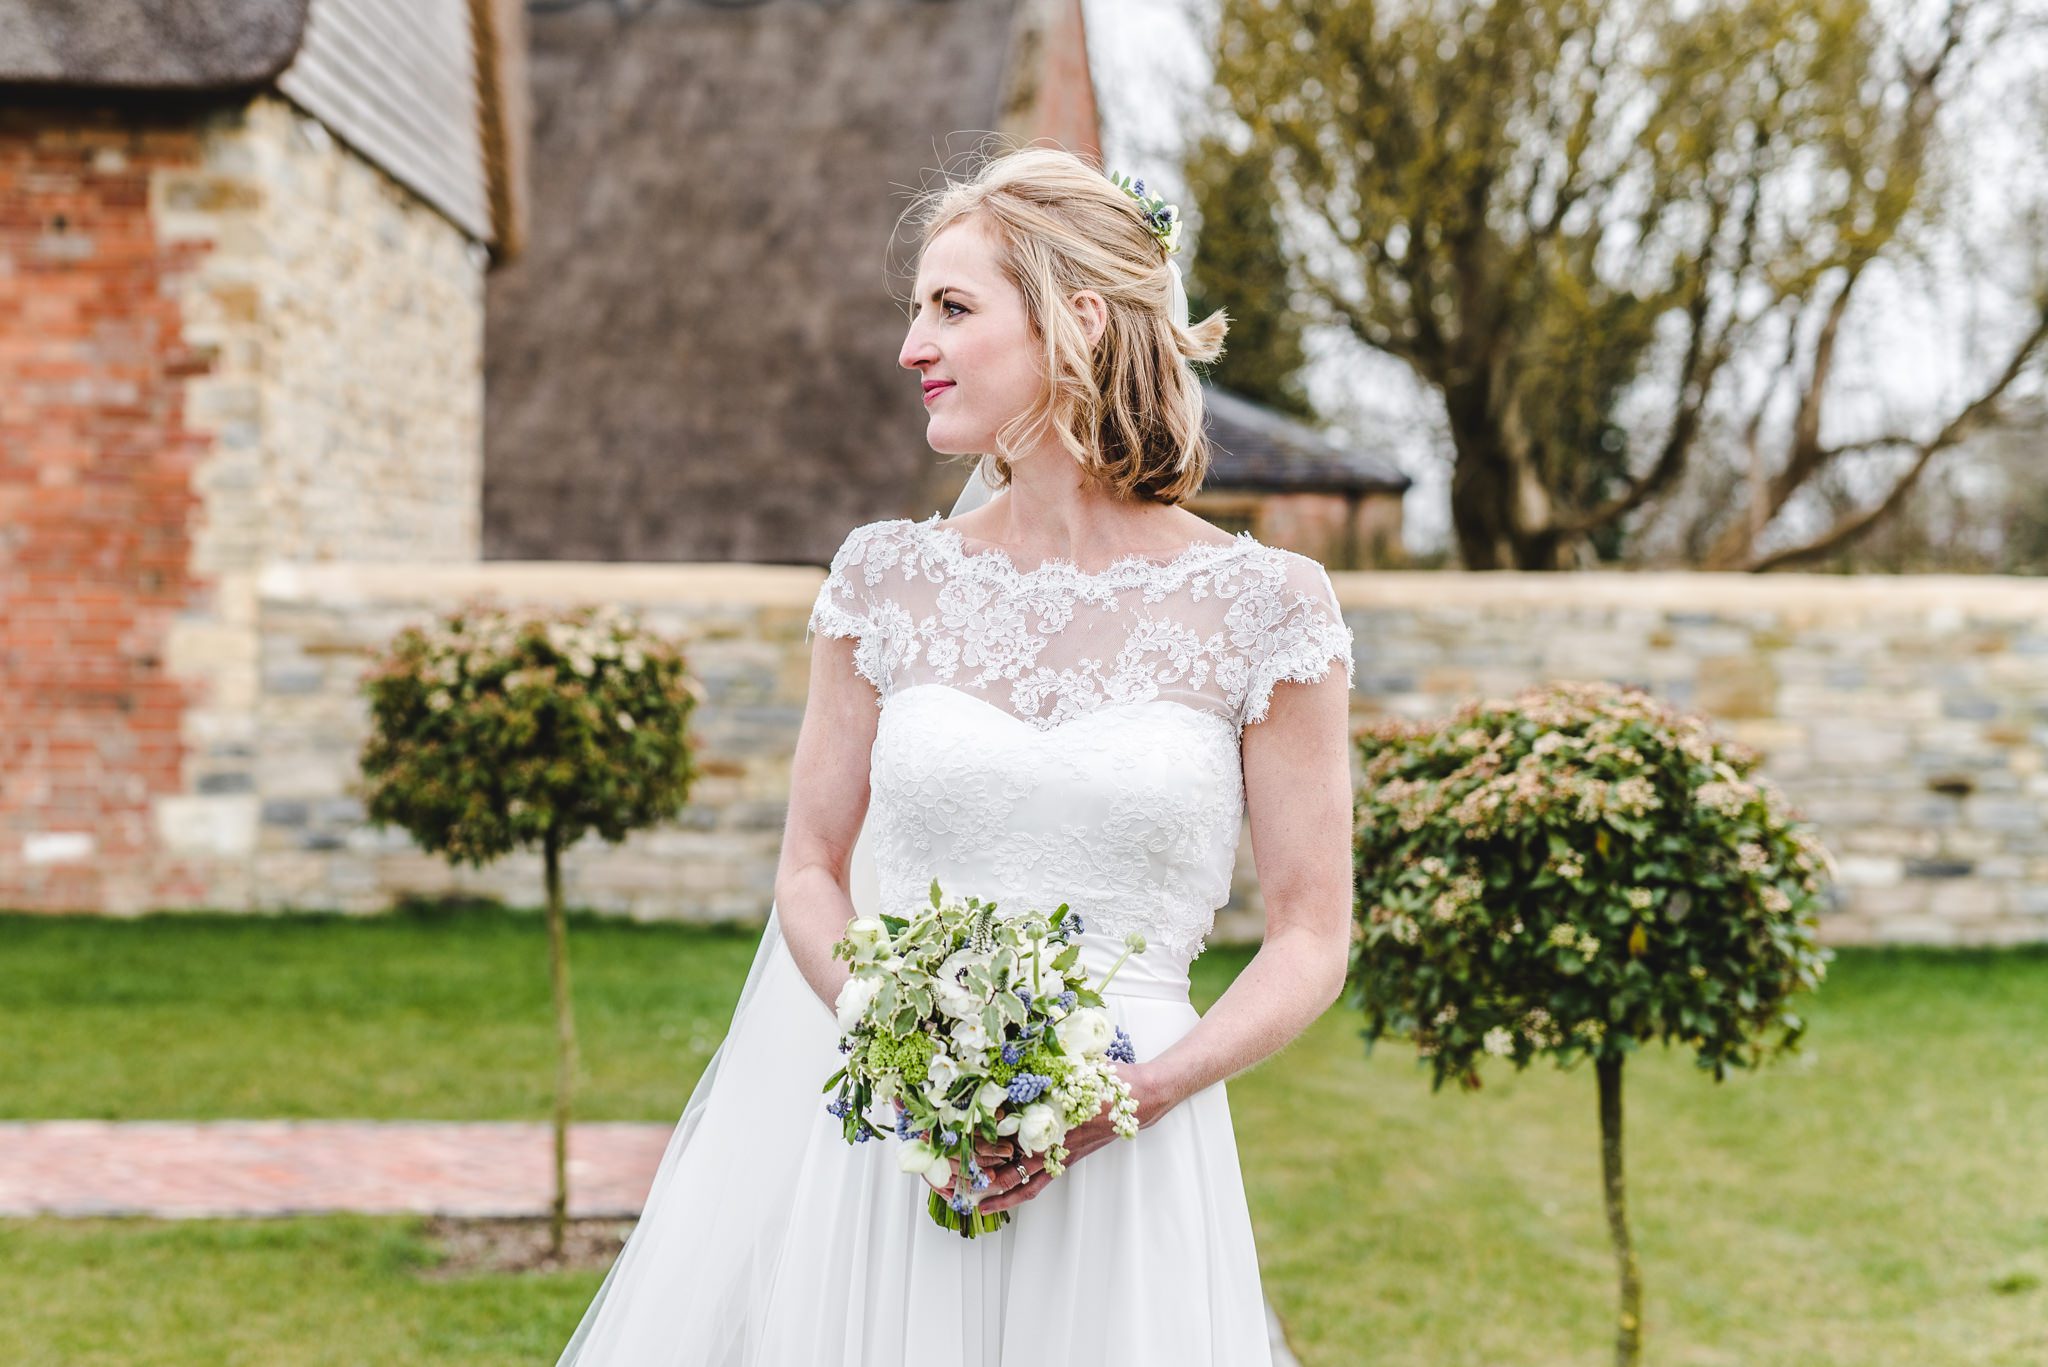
{"x":1074,"y":691}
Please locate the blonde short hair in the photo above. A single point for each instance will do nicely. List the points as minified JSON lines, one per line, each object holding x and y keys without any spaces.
{"x":1130,"y":412}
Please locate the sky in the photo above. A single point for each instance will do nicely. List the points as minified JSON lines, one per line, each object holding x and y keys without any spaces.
{"x":1915,"y":350}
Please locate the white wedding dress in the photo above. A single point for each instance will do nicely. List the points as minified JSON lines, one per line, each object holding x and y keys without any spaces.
{"x":1047,"y":735}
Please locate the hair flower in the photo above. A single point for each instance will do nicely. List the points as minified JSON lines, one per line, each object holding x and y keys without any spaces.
{"x":1162,"y":220}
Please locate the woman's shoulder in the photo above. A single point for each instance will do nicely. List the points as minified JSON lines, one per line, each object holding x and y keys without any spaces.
{"x":883,"y":539}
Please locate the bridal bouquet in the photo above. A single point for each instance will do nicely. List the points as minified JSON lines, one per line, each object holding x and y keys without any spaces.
{"x":979,"y":1029}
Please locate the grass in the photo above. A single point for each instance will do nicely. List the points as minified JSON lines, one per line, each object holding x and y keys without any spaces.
{"x":1878,"y":1199}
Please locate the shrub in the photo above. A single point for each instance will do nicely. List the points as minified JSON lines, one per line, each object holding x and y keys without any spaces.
{"x":492,"y":732}
{"x":1571,"y":874}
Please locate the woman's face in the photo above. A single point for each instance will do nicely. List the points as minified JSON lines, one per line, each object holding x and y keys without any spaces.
{"x":978,"y":363}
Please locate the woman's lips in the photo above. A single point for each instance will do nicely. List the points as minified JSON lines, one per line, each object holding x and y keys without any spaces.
{"x":935,"y":391}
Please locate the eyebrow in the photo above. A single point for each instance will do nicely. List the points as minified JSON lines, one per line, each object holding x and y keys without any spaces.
{"x":939,"y":290}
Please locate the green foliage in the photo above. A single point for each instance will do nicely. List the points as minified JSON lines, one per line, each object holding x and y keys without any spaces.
{"x":1548,"y":209}
{"x":494,"y":731}
{"x":1240,"y":267}
{"x":1574,"y":872}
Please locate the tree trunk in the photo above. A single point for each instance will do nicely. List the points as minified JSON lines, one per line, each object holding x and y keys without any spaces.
{"x":1628,"y":1333}
{"x":565,"y":1042}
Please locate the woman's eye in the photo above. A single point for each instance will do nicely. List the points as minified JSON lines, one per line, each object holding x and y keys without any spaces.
{"x":949,"y":304}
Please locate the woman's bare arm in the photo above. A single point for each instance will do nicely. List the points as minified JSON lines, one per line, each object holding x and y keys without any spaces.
{"x":828,"y":800}
{"x":1297,"y":780}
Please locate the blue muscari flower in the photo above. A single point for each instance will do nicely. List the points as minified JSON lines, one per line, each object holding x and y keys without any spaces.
{"x":960,"y":1204}
{"x":1139,"y":186}
{"x":980,"y":1181}
{"x":1074,"y":923}
{"x":845,"y":1046}
{"x":1067,"y":999}
{"x":1013,"y":1052}
{"x":839,"y":1107}
{"x":863,"y":1137}
{"x":948,"y":1136}
{"x":1023,"y":994}
{"x":1121,"y":1050}
{"x":903,"y":1125}
{"x":1026,"y":1086}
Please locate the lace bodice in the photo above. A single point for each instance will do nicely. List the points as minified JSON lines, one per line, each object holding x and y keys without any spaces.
{"x":1056,"y":734}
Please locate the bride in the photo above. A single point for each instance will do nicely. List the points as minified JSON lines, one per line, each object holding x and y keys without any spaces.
{"x":1074,"y":691}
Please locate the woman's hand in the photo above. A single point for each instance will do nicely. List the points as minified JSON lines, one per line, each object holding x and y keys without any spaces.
{"x":1007,"y":1185}
{"x":987,"y":1155}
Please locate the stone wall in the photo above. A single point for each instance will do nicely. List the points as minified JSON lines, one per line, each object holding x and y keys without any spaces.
{"x":226,"y":341}
{"x":1908,"y":717}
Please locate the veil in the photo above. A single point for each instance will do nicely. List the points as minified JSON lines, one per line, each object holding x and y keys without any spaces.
{"x":664,"y":1257}
{"x":659,"y":1258}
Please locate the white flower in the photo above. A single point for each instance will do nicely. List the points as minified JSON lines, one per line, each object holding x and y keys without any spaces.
{"x":868,"y":935}
{"x":1008,"y":1124}
{"x":854,"y":999}
{"x":1499,"y":1041}
{"x":972,"y":1034}
{"x":914,"y":1156}
{"x":942,"y":1073}
{"x":1038,"y":1128}
{"x":990,"y":1097}
{"x":955,"y":1000}
{"x":1173,"y":233}
{"x":1086,"y":1032}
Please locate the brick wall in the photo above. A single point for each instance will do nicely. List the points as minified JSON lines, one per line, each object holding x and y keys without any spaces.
{"x":97,"y":505}
{"x":225,"y":340}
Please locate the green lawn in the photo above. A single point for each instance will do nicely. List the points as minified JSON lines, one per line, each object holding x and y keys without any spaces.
{"x":1878,"y":1200}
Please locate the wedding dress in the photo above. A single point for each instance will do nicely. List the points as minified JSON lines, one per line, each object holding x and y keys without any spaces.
{"x":1047,"y":734}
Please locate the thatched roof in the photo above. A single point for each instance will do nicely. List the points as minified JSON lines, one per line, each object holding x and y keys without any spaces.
{"x":1258,"y":448}
{"x":695,"y":359}
{"x":148,"y":44}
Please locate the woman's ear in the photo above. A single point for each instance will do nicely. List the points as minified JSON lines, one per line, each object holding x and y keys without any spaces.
{"x":1093,"y":313}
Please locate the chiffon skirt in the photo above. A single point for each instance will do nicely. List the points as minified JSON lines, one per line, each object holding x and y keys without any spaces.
{"x":767,"y":1240}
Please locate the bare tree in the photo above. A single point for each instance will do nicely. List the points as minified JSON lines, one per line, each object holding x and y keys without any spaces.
{"x":1547,"y":209}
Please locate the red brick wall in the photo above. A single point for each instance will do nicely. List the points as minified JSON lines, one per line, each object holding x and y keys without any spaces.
{"x":96,"y":507}
{"x":1066,"y":93}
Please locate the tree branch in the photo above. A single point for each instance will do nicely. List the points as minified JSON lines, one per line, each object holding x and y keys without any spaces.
{"x":1978,"y":412}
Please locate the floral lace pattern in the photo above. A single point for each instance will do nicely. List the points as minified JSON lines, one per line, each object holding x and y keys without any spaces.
{"x":1055,"y":734}
{"x":1215,"y":626}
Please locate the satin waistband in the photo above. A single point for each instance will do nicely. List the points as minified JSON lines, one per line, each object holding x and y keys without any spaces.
{"x":1145,"y":987}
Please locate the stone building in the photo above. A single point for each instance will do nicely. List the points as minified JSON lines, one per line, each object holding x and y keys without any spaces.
{"x":1288,"y":485}
{"x":242,"y":258}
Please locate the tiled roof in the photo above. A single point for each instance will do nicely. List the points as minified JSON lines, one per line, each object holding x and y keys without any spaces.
{"x":1255,"y":447}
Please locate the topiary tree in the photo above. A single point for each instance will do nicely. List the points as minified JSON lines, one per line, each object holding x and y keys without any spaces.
{"x":493,"y":732}
{"x":1569,"y":875}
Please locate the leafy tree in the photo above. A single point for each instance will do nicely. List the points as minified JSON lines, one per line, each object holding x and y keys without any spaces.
{"x":493,"y":732}
{"x":1571,"y":874}
{"x":1239,"y":268}
{"x":1548,"y":208}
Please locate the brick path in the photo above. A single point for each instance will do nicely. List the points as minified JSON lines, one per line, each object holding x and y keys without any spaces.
{"x":221,"y":1168}
{"x":183,"y":1169}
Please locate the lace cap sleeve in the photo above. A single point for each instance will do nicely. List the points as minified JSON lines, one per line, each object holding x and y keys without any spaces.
{"x":1305,"y":631}
{"x":848,"y":604}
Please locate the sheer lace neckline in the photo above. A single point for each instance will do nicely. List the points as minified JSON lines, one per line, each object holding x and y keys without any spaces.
{"x":1195,"y":552}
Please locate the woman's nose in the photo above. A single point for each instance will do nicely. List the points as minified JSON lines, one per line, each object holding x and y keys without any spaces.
{"x":918,"y":349}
